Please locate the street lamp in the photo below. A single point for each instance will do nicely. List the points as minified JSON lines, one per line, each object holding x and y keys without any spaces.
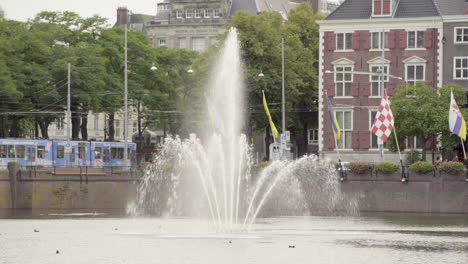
{"x":261,"y":74}
{"x":190,"y":70}
{"x":153,"y":68}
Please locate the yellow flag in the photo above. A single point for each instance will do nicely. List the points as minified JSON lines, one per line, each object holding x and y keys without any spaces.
{"x":273,"y":127}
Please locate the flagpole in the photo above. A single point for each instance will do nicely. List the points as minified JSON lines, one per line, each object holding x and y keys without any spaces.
{"x":463,"y":147}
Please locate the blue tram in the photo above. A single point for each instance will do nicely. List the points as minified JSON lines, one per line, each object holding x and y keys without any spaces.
{"x":56,"y":153}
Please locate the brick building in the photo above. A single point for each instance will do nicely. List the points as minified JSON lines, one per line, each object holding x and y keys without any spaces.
{"x":351,"y":39}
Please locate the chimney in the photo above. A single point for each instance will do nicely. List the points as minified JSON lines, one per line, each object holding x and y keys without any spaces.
{"x":122,"y":16}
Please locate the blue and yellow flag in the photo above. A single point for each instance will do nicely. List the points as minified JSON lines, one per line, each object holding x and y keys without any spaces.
{"x":334,"y":121}
{"x":273,"y":127}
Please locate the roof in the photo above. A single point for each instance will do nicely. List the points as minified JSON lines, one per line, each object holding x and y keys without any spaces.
{"x":362,"y":9}
{"x":450,"y":7}
{"x":281,"y":6}
{"x":162,"y":16}
{"x":244,"y":5}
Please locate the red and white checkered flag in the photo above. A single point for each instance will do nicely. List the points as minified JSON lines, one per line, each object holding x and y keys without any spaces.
{"x":383,"y":122}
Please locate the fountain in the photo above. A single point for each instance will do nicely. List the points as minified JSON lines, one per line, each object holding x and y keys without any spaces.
{"x":213,"y":178}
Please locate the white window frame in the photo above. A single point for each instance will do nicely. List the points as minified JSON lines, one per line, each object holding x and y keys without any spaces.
{"x":345,"y":34}
{"x":96,"y":121}
{"x":216,"y":13}
{"x":311,"y":134}
{"x":381,"y":9}
{"x":184,"y":41}
{"x":371,"y":122}
{"x":198,"y":13}
{"x":336,"y":70}
{"x":117,"y":128}
{"x":462,"y":35}
{"x":415,"y":65}
{"x":204,"y":44}
{"x":415,"y":40}
{"x":179,"y":14}
{"x":161,"y":42}
{"x":207,"y":13}
{"x":371,"y":80}
{"x":189,"y":13}
{"x":461,"y":68}
{"x":415,"y":142}
{"x":379,"y":41}
{"x":343,"y":130}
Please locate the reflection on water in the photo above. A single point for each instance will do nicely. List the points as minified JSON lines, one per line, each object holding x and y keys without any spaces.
{"x":107,"y":239}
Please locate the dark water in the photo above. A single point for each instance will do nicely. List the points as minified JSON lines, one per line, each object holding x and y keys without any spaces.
{"x":101,"y":238}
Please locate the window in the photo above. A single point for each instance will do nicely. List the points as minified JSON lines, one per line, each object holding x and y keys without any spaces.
{"x":376,"y":83}
{"x":377,"y":40}
{"x":106,"y":155}
{"x":374,"y":139}
{"x":135,"y":127}
{"x":59,"y":123}
{"x":179,"y":14}
{"x":198,"y":44}
{"x":41,"y":152}
{"x":97,"y":153}
{"x":20,"y":152}
{"x":207,"y":13}
{"x":182,"y":43}
{"x":81,"y":152}
{"x":31,"y":153}
{"x":345,"y":122}
{"x":162,"y":42}
{"x":60,"y":152}
{"x":414,"y":142}
{"x":343,"y":81}
{"x":414,"y":73}
{"x":344,"y":41}
{"x":118,"y":129}
{"x":11,"y":151}
{"x":198,"y":13}
{"x":461,"y":35}
{"x":312,"y":136}
{"x":415,"y":39}
{"x":2,"y":151}
{"x":460,"y":68}
{"x":117,"y":153}
{"x":189,"y":13}
{"x":96,"y":121}
{"x":216,"y":13}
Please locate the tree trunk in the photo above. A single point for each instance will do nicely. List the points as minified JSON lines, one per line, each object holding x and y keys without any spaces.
{"x":111,"y":129}
{"x":4,"y":130}
{"x":14,"y":131}
{"x":84,"y":126}
{"x":75,"y":118}
{"x":44,"y":125}
{"x":36,"y":128}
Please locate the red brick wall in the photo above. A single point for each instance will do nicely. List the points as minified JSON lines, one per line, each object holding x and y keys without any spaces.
{"x":361,"y":84}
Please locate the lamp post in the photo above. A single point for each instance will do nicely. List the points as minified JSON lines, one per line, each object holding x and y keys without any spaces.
{"x":125,"y":101}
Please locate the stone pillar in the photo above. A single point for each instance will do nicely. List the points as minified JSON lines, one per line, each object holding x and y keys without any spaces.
{"x":13,"y":169}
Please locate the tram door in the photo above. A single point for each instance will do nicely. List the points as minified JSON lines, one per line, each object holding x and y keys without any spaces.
{"x":30,"y":155}
{"x":60,"y":158}
{"x":97,"y":156}
{"x":82,"y":154}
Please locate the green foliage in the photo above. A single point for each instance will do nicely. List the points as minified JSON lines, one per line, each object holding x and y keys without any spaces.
{"x":422,"y":167}
{"x":263,"y":164}
{"x":412,"y":157}
{"x":361,"y":167}
{"x":386,"y":167}
{"x":452,"y":167}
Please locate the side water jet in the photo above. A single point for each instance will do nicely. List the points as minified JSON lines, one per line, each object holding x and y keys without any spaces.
{"x":213,"y":179}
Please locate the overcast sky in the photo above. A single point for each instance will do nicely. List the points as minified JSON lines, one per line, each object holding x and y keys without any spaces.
{"x":24,"y":9}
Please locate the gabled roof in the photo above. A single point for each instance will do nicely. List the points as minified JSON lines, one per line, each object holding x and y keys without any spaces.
{"x":162,"y":16}
{"x":362,"y":9}
{"x":244,"y":5}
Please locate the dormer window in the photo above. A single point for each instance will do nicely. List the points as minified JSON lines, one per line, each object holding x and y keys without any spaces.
{"x":216,"y":13}
{"x":198,"y":13}
{"x":382,"y":7}
{"x":189,"y":13}
{"x":179,"y":14}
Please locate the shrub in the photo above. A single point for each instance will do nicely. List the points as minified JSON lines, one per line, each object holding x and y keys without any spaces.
{"x":360,"y":167}
{"x":386,"y":167}
{"x":263,"y":164}
{"x":412,"y":157}
{"x":422,"y":167}
{"x":452,"y":167}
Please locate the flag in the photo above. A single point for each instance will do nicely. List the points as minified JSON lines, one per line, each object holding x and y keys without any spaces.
{"x":273,"y":127}
{"x":383,"y":122}
{"x":456,"y":122}
{"x":334,"y":121}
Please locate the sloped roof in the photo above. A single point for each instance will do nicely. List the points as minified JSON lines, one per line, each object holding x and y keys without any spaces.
{"x":450,"y":7}
{"x":162,"y":16}
{"x":362,"y":9}
{"x":244,"y":5}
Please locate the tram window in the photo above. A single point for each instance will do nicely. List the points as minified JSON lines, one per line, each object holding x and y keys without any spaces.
{"x":60,"y":152}
{"x":31,"y":154}
{"x":106,"y":156}
{"x":81,"y":152}
{"x":41,"y":152}
{"x":20,"y":152}
{"x":11,"y":151}
{"x":97,"y":153}
{"x":2,"y":151}
{"x":72,"y":155}
{"x":117,"y":153}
